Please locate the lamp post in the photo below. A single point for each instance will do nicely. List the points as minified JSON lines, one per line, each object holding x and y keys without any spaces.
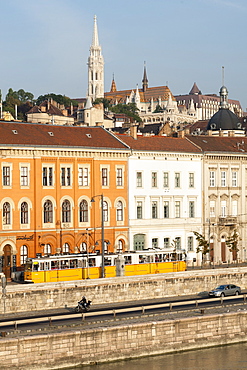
{"x":102,"y":233}
{"x":88,"y":277}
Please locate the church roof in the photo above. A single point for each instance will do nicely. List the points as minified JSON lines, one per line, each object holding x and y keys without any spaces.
{"x":162,"y":92}
{"x":195,"y":90}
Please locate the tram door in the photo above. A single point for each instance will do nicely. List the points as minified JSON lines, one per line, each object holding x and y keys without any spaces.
{"x":7,"y":261}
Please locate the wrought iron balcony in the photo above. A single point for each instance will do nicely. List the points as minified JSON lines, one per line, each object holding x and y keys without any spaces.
{"x":228,"y":220}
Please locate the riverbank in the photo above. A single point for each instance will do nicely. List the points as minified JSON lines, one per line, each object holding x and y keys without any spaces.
{"x":123,"y":340}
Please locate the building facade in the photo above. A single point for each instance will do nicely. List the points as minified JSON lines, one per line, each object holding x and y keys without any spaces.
{"x":165,"y":194}
{"x":49,"y":175}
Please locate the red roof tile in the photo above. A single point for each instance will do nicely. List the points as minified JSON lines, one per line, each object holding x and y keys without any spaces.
{"x":30,"y":134}
{"x":220,"y":144}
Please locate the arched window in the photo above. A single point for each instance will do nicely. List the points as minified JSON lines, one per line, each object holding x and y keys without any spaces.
{"x":48,"y":212}
{"x":119,"y":211}
{"x":23,"y":254}
{"x":6,"y":214}
{"x":47,"y":249}
{"x":120,"y":246}
{"x":24,"y":213}
{"x":83,"y":247}
{"x":84,"y":211}
{"x":66,"y":248}
{"x":66,"y":211}
{"x":105,"y":211}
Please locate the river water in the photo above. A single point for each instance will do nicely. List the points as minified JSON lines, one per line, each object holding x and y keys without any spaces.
{"x":231,"y":357}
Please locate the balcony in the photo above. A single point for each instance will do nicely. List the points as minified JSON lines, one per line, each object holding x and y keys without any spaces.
{"x":228,"y":221}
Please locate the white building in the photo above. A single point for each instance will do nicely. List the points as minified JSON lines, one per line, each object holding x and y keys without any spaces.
{"x":165,"y":197}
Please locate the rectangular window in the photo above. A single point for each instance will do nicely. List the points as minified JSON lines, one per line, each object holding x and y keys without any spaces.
{"x":166,"y":209}
{"x":119,"y":177}
{"x":191,"y":209}
{"x":177,"y":209}
{"x":155,"y":243}
{"x":47,"y":176}
{"x":166,"y":242}
{"x":190,"y":243}
{"x":66,"y":176}
{"x":212,"y":208}
{"x":154,"y":179}
{"x":104,"y":177}
{"x":177,"y":180}
{"x":223,"y":178}
{"x":139,"y":210}
{"x":191,"y":180}
{"x":83,"y":179}
{"x":139,"y":179}
{"x":166,"y":180}
{"x":154,"y":210}
{"x":212,"y":179}
{"x":223,"y":208}
{"x":6,"y":176}
{"x":234,"y":208}
{"x":234,"y":179}
{"x":178,"y":242}
{"x":24,"y":176}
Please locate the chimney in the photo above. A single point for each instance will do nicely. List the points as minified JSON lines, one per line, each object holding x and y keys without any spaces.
{"x":181,"y":133}
{"x":133,"y":132}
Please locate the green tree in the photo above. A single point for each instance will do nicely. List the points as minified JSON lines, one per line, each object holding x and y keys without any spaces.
{"x":158,"y":109}
{"x":60,"y":99}
{"x":203,"y":245}
{"x":232,"y":244}
{"x":129,"y":109}
{"x":104,"y":101}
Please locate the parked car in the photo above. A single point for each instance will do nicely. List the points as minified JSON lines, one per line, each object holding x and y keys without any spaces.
{"x":224,"y":290}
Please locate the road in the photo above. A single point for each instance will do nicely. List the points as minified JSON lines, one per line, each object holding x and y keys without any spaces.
{"x":106,"y":313}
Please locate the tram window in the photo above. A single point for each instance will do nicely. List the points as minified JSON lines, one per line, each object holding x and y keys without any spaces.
{"x":47,"y":266}
{"x":64,"y":264}
{"x":73,"y":264}
{"x":92,"y":262}
{"x":41,"y":266}
{"x":142,"y":259}
{"x":127,"y":260}
{"x":54,"y":265}
{"x":35,"y":266}
{"x":164,"y":257}
{"x":107,"y":261}
{"x":28,"y":266}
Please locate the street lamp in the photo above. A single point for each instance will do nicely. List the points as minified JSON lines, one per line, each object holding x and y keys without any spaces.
{"x":102,"y":233}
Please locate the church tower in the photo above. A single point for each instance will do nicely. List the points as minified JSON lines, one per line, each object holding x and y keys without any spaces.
{"x":95,"y":67}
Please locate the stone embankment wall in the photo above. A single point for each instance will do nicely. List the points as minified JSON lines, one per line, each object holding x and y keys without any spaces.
{"x":30,"y":297}
{"x":72,"y":348}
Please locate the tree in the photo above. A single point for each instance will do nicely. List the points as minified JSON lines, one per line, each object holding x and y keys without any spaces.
{"x":60,"y":99}
{"x":203,"y":245}
{"x":232,"y":244}
{"x":158,"y":109}
{"x":104,"y":101}
{"x":129,"y":109}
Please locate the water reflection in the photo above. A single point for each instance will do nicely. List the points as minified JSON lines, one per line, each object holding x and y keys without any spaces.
{"x":232,"y":357}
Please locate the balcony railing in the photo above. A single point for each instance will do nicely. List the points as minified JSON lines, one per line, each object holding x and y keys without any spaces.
{"x":228,"y":220}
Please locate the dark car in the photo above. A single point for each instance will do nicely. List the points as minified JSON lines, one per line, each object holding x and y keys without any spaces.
{"x":224,"y":290}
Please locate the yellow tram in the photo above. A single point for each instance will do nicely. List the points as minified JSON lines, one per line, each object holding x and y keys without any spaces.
{"x":56,"y":268}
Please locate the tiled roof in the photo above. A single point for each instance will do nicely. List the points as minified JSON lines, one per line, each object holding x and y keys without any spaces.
{"x":159,"y":143}
{"x":162,"y":92}
{"x":31,"y":134}
{"x":220,"y":144}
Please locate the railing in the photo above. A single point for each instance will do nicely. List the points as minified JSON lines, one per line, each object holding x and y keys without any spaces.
{"x":227,"y":220}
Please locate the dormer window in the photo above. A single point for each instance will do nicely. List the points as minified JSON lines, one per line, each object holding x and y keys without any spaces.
{"x":89,"y":136}
{"x":50,"y":133}
{"x":15,"y":132}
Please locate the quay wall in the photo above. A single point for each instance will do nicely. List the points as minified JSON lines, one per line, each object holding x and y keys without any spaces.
{"x":80,"y":347}
{"x":32,"y":297}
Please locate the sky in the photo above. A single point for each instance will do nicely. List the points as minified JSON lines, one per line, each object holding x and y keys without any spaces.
{"x":45,"y":45}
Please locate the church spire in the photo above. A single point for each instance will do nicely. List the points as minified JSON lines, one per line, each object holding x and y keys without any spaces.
{"x":95,"y":41}
{"x":145,"y":79}
{"x":113,"y":85}
{"x":95,"y":67}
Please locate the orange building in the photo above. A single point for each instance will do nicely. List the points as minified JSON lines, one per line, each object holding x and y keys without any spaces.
{"x":49,"y":176}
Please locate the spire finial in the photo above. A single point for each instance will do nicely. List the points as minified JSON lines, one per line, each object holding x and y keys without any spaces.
{"x":223,"y":75}
{"x":145,"y":79}
{"x":95,"y":41}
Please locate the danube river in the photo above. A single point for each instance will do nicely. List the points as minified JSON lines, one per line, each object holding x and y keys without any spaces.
{"x":232,"y":357}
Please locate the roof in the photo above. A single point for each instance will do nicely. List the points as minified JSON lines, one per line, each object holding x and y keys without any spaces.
{"x":220,"y":144}
{"x":31,"y":134}
{"x":162,"y":92}
{"x":159,"y":143}
{"x":224,"y":119}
